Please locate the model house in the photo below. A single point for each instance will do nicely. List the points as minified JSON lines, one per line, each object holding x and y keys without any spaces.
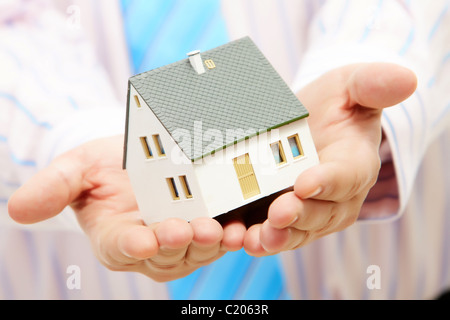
{"x":214,"y":132}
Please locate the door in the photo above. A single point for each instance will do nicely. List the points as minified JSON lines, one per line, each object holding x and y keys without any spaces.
{"x":246,"y":176}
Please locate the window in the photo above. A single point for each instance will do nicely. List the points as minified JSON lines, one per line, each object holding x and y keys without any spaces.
{"x":210,"y":64}
{"x":278,"y":153}
{"x":173,"y":188}
{"x":138,"y":103}
{"x":246,"y":176}
{"x":186,"y":188}
{"x":296,"y":147}
{"x":147,"y":151}
{"x":158,"y":144}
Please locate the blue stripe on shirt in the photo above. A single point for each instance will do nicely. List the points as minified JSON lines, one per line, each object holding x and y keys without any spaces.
{"x":442,"y":116}
{"x":342,"y":16}
{"x":424,"y":115}
{"x":73,"y":103}
{"x":409,"y":40}
{"x":410,"y":125}
{"x":438,"y":23}
{"x":27,"y":112}
{"x":445,"y":60}
{"x":369,"y":28}
{"x":24,"y":163}
{"x":15,"y":159}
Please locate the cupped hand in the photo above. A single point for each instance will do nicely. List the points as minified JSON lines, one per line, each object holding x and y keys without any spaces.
{"x":90,"y":179}
{"x":345,"y":120}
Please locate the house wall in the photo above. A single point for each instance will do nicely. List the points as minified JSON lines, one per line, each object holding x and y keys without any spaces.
{"x":218,"y":180}
{"x":148,"y":176}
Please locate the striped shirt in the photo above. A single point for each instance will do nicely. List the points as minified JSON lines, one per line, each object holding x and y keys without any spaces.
{"x":53,"y":96}
{"x":402,"y":232}
{"x":403,"y":224}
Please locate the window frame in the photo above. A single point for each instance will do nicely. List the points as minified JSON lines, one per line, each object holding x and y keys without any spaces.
{"x":137,"y":101}
{"x":173,"y":189}
{"x":159,"y":146}
{"x":146,"y":148}
{"x":298,"y":144}
{"x":185,"y":186}
{"x":281,"y":153}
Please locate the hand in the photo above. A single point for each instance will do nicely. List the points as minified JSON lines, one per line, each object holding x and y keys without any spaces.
{"x":345,"y":120}
{"x":90,"y":179}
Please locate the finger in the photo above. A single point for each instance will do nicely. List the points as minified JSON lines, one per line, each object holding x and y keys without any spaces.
{"x":316,"y":219}
{"x":380,"y":85}
{"x":276,"y":240}
{"x":252,"y":243}
{"x":273,"y":239}
{"x":123,"y":242}
{"x":174,"y":236}
{"x":289,"y":210}
{"x":233,"y":236}
{"x":346,"y":171}
{"x":206,"y":242}
{"x":138,"y":243}
{"x":291,"y":222}
{"x":284,"y":210}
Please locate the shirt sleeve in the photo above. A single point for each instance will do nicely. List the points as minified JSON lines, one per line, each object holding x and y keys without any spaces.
{"x":409,"y":33}
{"x":54,"y":96}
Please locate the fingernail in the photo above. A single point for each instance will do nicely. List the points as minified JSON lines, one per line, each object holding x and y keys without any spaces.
{"x":315,"y":193}
{"x":293,"y":220}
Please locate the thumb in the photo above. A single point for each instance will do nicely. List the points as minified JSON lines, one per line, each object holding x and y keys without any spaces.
{"x":349,"y":153}
{"x":48,"y":192}
{"x":380,"y":85}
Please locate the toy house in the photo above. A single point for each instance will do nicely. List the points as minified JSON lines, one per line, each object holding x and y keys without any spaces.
{"x":214,"y":132}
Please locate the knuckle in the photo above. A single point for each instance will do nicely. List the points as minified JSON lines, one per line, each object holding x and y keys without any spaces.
{"x":306,"y":237}
{"x":328,"y":225}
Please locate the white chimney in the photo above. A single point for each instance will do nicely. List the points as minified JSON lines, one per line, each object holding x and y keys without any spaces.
{"x":196,"y":61}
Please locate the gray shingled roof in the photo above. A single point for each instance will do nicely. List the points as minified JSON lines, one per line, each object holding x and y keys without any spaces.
{"x":243,"y":93}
